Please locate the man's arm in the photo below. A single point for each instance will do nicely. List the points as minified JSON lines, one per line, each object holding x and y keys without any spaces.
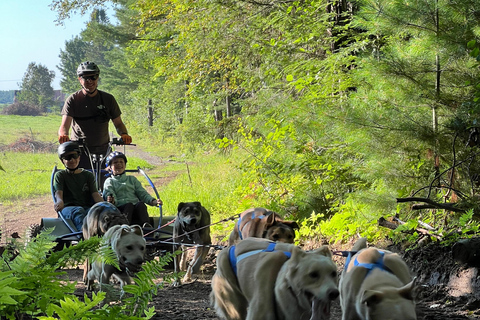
{"x":122,"y":130}
{"x":65,"y":125}
{"x":119,"y":125}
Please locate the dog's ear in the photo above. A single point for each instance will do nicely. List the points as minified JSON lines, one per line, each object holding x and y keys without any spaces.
{"x":137,"y":230}
{"x":180,"y":206}
{"x":292,"y":224}
{"x":407,"y":290}
{"x":269,"y":220}
{"x":372,"y":297}
{"x":297,"y":254}
{"x":324,"y":251}
{"x":197,"y":203}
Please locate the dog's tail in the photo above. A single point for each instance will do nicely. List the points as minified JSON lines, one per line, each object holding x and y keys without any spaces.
{"x":226,"y":296}
{"x":360,"y":244}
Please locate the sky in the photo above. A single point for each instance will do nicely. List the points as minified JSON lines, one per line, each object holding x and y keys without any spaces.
{"x":28,"y":33}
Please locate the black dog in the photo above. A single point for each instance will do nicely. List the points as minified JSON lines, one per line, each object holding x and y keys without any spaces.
{"x":192,"y":226}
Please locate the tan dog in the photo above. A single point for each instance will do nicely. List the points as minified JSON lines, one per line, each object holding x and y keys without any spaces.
{"x":263,"y":223}
{"x":192,"y":226}
{"x":264,"y":283}
{"x":129,"y":245}
{"x":376,"y":285}
{"x":101,"y":217}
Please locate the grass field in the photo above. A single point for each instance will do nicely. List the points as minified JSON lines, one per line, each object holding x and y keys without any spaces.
{"x":41,"y":128}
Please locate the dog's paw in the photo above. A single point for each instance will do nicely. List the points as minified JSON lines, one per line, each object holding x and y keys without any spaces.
{"x":187,"y":278}
{"x":90,"y":285}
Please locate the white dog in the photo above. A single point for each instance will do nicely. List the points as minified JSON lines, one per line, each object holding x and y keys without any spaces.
{"x":129,"y":245}
{"x":261,"y":279}
{"x":376,"y":285}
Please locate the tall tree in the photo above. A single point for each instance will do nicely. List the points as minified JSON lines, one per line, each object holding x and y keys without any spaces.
{"x":70,"y":58}
{"x":36,"y":87}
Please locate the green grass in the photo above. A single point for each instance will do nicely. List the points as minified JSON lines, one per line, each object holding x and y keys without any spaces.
{"x":210,"y":179}
{"x":26,"y":175}
{"x":41,"y":128}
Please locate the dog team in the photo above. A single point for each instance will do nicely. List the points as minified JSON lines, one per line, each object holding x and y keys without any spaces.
{"x":261,"y":274}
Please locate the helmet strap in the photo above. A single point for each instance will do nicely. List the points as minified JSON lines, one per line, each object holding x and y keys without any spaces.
{"x":71,"y":170}
{"x":89,"y":93}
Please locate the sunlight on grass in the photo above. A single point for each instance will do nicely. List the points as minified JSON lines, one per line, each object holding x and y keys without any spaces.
{"x":26,"y":174}
{"x":210,"y":180}
{"x":40,"y":128}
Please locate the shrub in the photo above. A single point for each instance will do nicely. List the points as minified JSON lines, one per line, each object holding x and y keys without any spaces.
{"x":21,"y":109}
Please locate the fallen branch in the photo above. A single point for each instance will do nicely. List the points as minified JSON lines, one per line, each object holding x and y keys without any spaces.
{"x":431,"y":204}
{"x":392,"y":225}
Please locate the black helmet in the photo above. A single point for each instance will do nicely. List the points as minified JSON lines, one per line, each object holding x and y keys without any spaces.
{"x":68,"y":147}
{"x":115,"y":154}
{"x":87,"y":67}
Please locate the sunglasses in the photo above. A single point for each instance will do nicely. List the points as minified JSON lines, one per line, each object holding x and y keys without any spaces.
{"x":93,"y":78}
{"x":71,"y":156}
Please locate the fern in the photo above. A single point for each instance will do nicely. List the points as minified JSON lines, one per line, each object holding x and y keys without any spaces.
{"x":31,"y":283}
{"x":145,"y":288}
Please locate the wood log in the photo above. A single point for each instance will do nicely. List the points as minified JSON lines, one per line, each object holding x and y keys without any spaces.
{"x":392,"y":225}
{"x":387,"y":224}
{"x":430,"y":204}
{"x":467,"y":251}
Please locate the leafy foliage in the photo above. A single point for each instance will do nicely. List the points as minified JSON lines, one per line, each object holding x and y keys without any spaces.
{"x":332,"y":103}
{"x":6,"y":97}
{"x":31,"y":283}
{"x":21,"y":109}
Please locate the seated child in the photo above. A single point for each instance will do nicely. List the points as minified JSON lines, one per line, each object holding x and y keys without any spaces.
{"x":74,"y":187}
{"x":126,"y":192}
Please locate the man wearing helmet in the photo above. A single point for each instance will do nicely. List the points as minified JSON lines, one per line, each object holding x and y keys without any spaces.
{"x":126,"y":192}
{"x":74,"y":187}
{"x":88,"y":112}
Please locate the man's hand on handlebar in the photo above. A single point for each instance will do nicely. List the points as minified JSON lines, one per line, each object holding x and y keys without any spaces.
{"x":63,"y":139}
{"x":126,"y":138}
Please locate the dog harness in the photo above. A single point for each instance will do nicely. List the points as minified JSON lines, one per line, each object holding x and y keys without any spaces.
{"x":252,"y":217}
{"x":234,"y":260}
{"x":369,"y":266}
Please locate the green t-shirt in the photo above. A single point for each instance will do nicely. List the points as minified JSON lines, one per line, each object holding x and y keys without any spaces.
{"x":77,"y":188}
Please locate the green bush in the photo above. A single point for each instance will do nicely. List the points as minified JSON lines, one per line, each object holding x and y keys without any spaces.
{"x":32,"y":283}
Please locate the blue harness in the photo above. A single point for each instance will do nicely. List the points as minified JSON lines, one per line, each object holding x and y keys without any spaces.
{"x":369,"y":266}
{"x":253,"y":217}
{"x":234,"y":260}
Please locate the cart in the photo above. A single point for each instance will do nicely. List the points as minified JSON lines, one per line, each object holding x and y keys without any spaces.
{"x":65,"y":232}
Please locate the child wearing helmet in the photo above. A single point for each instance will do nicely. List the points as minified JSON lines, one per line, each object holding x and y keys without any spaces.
{"x":126,"y":192}
{"x":74,"y":187}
